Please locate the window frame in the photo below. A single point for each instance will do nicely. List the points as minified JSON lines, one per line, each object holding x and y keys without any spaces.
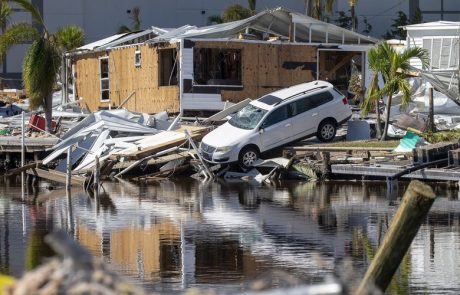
{"x":137,"y":62}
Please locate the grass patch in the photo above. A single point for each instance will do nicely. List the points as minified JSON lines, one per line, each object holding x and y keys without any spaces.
{"x":442,"y":136}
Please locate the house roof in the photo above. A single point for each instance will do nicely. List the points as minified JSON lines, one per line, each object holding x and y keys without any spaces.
{"x":274,"y":21}
{"x":434,"y":26}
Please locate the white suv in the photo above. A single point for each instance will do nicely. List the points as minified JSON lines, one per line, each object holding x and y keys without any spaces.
{"x":278,"y":118}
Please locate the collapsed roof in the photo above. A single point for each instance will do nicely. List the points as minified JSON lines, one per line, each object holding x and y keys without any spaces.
{"x":274,"y":22}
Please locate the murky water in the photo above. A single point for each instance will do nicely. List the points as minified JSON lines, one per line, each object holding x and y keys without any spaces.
{"x":175,"y":235}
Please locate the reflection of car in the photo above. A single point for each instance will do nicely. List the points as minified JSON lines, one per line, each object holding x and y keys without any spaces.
{"x":276,"y":119}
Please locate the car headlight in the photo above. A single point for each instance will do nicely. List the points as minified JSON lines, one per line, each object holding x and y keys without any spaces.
{"x":223,"y":149}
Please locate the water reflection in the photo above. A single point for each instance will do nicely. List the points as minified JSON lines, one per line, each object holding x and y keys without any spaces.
{"x":179,"y":234}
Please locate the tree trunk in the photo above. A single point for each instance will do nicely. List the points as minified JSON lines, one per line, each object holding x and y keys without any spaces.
{"x":49,"y":112}
{"x":387,"y":118}
{"x":307,"y":7}
{"x":377,"y":125}
{"x":353,"y":18}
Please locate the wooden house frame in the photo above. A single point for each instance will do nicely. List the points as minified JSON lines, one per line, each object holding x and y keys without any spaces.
{"x":205,"y":69}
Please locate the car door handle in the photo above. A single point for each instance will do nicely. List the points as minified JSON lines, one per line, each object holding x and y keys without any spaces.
{"x":287,"y":125}
{"x":314,"y":114}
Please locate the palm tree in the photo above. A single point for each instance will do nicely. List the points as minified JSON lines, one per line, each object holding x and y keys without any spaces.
{"x":372,"y":96}
{"x":252,"y":6}
{"x":42,"y":59}
{"x":352,"y":4}
{"x":393,"y":67}
{"x":5,"y":13}
{"x":136,"y":22}
{"x":314,"y":8}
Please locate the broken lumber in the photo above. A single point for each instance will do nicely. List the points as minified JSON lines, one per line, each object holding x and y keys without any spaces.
{"x":55,"y":176}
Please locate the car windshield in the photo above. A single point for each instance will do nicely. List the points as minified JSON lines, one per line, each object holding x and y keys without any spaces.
{"x":248,"y":117}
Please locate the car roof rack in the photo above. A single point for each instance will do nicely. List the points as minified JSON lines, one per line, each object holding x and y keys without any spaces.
{"x":300,"y":93}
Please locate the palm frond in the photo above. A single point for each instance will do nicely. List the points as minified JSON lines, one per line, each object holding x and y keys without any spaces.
{"x":17,"y":34}
{"x":5,"y":13}
{"x":372,"y":95}
{"x":41,"y":65}
{"x":215,"y":19}
{"x":404,"y":86}
{"x":69,"y":37}
{"x":32,"y":9}
{"x":416,"y":52}
{"x":123,"y":29}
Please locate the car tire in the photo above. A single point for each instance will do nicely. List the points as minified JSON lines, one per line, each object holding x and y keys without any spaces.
{"x":326,"y":131}
{"x":247,"y":157}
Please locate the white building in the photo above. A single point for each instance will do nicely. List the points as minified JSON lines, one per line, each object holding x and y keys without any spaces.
{"x":101,"y":18}
{"x":380,"y":14}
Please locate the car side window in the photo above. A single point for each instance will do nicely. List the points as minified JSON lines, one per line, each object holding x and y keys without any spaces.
{"x":300,"y":106}
{"x":276,"y":116}
{"x":320,"y":98}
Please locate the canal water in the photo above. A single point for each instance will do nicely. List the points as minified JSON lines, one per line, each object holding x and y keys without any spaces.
{"x":174,"y":235}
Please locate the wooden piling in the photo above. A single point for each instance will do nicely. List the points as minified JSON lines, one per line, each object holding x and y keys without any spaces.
{"x":68,"y":182}
{"x":431,"y":126}
{"x":415,"y":205}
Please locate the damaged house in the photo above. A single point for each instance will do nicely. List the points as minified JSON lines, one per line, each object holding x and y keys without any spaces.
{"x":205,"y":69}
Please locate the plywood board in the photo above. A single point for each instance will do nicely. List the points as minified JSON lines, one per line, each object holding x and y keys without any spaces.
{"x":125,"y":78}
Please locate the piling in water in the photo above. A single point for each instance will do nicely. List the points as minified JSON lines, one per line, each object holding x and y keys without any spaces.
{"x":415,"y":205}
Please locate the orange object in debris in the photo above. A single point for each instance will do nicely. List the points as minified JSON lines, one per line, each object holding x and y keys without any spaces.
{"x":38,"y":123}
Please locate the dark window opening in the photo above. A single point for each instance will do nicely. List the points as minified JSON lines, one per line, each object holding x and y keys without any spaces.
{"x":167,"y":71}
{"x":137,"y":58}
{"x":105,"y":82}
{"x":214,"y":66}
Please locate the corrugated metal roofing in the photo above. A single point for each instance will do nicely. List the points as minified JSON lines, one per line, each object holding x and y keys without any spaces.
{"x":99,"y":43}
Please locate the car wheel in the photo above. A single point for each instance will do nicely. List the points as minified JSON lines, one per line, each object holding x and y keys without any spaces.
{"x":247,"y":157}
{"x":326,"y":131}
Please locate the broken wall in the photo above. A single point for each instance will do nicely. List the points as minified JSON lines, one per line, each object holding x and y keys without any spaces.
{"x":124,"y":78}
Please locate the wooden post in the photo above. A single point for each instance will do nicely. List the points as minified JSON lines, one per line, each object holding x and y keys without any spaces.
{"x":431,"y":126}
{"x":415,"y":205}
{"x":326,"y":164}
{"x":23,"y":156}
{"x":97,"y":177}
{"x":68,"y":182}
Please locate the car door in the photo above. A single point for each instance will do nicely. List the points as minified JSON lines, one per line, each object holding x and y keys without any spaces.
{"x":321,"y":108}
{"x":276,"y":129}
{"x":302,"y":121}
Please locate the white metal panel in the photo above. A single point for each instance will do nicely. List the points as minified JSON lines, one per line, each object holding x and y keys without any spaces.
{"x":187,"y":63}
{"x":197,"y":101}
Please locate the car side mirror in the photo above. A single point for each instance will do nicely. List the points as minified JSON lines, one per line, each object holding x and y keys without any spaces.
{"x":261,"y":129}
